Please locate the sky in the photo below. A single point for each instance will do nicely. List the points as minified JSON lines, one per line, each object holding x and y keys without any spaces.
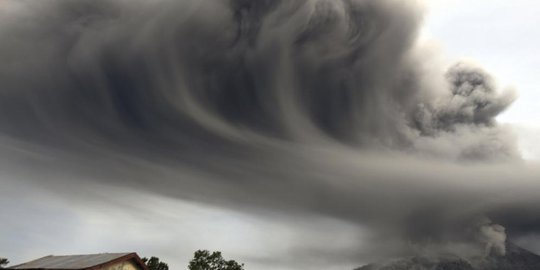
{"x":136,"y":128}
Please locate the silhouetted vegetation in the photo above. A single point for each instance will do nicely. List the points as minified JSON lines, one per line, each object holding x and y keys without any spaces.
{"x":204,"y":260}
{"x":3,"y":262}
{"x":154,"y":264}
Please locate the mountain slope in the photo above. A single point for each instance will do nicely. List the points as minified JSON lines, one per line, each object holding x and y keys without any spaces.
{"x":516,"y":258}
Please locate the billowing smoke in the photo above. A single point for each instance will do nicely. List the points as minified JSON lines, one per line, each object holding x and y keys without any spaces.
{"x":465,"y":117}
{"x":300,"y":71}
{"x":494,"y":236}
{"x":304,"y":107}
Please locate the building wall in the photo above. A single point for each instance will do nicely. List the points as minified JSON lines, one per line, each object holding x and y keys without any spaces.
{"x":127,"y":265}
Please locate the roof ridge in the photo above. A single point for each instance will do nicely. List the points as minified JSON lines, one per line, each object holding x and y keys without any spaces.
{"x":30,"y":261}
{"x":90,"y":254}
{"x":74,"y":261}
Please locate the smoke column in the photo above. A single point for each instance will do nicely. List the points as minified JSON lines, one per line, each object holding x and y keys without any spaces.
{"x":304,"y":107}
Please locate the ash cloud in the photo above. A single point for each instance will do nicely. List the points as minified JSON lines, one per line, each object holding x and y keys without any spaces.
{"x":494,"y":236}
{"x":303,"y":107}
{"x":198,"y":72}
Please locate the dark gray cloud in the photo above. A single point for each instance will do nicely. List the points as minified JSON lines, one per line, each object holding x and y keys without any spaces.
{"x":205,"y":74}
{"x":301,"y":107}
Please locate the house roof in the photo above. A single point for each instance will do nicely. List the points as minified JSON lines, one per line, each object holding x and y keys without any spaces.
{"x":79,"y":262}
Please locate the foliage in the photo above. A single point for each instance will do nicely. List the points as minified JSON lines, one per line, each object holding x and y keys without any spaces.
{"x":3,"y":262}
{"x":154,"y":264}
{"x":204,"y":260}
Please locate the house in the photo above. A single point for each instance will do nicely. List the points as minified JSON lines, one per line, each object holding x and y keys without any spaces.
{"x":104,"y":261}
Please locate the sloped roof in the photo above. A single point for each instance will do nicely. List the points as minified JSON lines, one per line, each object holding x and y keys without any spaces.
{"x":79,"y":262}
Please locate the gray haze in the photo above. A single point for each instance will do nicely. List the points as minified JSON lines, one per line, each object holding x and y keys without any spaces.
{"x":303,"y":108}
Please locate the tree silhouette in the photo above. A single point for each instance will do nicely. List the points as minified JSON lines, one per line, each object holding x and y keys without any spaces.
{"x":154,"y":264}
{"x":204,"y":260}
{"x":3,"y":262}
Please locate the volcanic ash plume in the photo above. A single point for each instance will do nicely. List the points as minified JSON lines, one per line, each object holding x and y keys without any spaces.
{"x":179,"y":72}
{"x":303,"y":107}
{"x":494,"y":236}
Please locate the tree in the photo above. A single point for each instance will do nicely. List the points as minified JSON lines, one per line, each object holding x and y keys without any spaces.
{"x":154,"y":264}
{"x":3,"y":262}
{"x":204,"y":260}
